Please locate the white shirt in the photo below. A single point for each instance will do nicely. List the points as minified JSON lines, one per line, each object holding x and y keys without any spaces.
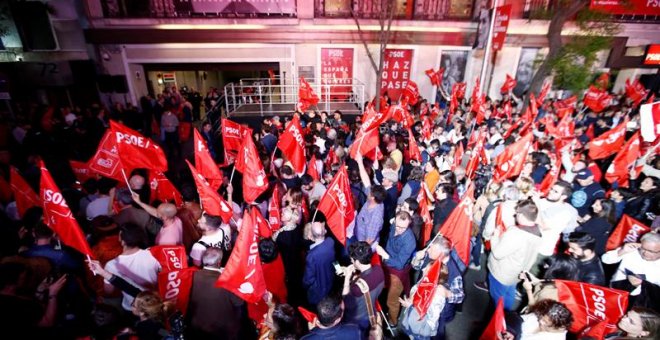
{"x":215,"y":240}
{"x":97,"y":207}
{"x":316,"y":193}
{"x":634,"y":262}
{"x":558,"y":217}
{"x":140,"y":269}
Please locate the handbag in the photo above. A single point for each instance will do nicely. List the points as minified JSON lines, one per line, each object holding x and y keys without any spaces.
{"x":375,"y":320}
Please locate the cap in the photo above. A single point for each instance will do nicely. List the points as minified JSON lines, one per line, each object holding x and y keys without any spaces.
{"x":584,"y":174}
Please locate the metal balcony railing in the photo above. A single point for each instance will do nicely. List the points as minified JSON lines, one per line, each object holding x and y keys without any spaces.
{"x":404,"y":9}
{"x":264,"y":96}
{"x":197,"y":8}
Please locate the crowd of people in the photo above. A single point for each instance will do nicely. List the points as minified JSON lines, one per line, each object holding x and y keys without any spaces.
{"x":550,"y":221}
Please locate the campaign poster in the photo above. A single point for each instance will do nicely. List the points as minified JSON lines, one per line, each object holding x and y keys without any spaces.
{"x":525,"y":71}
{"x":454,"y":63}
{"x":337,"y":72}
{"x":397,"y":67}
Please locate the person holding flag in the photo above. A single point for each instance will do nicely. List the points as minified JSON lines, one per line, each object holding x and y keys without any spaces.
{"x":439,"y":251}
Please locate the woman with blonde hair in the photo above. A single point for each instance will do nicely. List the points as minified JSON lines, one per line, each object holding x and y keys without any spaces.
{"x":152,"y":313}
{"x":525,"y":186}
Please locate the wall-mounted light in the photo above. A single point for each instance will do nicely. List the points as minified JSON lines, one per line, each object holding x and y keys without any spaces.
{"x":160,"y":79}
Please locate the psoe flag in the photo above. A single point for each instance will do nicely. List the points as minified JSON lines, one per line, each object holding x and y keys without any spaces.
{"x":650,"y":121}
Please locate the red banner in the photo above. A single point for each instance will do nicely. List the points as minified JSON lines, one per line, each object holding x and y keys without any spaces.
{"x":500,"y":26}
{"x":629,"y":230}
{"x":397,"y":66}
{"x":106,"y":160}
{"x":652,"y":55}
{"x":232,"y":136}
{"x":170,"y":257}
{"x":638,"y":7}
{"x":591,"y":304}
{"x":337,"y":69}
{"x":175,"y":286}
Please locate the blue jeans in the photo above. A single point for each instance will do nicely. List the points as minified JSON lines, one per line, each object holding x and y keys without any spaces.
{"x":498,"y":290}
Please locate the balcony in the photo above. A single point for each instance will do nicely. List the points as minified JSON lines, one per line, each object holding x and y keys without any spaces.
{"x":538,"y":9}
{"x":404,"y":9}
{"x":197,"y":8}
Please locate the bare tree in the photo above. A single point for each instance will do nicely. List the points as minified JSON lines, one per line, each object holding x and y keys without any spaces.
{"x":385,"y":17}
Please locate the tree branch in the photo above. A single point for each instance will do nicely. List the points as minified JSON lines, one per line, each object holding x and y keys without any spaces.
{"x":364,"y":41}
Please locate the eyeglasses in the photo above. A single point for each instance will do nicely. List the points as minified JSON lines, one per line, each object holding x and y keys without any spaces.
{"x":642,"y":249}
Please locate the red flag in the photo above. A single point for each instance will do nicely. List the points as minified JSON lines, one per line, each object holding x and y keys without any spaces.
{"x":312,"y":170}
{"x":413,"y":149}
{"x":565,"y":107}
{"x":58,"y":216}
{"x":497,"y":324}
{"x":544,"y":92}
{"x":174,"y":286}
{"x":511,"y":161}
{"x":590,"y":133}
{"x":458,"y":226}
{"x":306,"y":96}
{"x":597,"y":100}
{"x":337,"y":205}
{"x":364,"y":142}
{"x":254,"y":175}
{"x":292,"y":144}
{"x":635,"y":91}
{"x":422,"y":298}
{"x":629,"y":230}
{"x":274,"y":209}
{"x":475,"y":157}
{"x":551,"y":177}
{"x":106,"y":160}
{"x":271,"y":75}
{"x":603,"y":81}
{"x":170,"y":257}
{"x":620,"y":167}
{"x":232,"y":135}
{"x":163,"y":190}
{"x":309,"y":316}
{"x":435,"y":76}
{"x":476,"y":98}
{"x":137,"y":151}
{"x":264,"y":228}
{"x":211,"y":202}
{"x":609,"y":142}
{"x":410,"y":92}
{"x":24,"y":195}
{"x":427,"y":126}
{"x":458,"y":156}
{"x":649,"y":121}
{"x":453,"y":102}
{"x":509,"y":84}
{"x":400,"y":114}
{"x":507,"y":110}
{"x":534,"y":110}
{"x":81,"y":171}
{"x":205,"y":164}
{"x":331,"y":158}
{"x":425,"y":213}
{"x":243,"y":275}
{"x":591,"y":304}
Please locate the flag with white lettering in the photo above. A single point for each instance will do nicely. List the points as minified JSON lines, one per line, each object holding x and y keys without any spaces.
{"x":136,"y":150}
{"x":609,"y":142}
{"x":292,"y":144}
{"x":619,"y":169}
{"x":337,"y":205}
{"x":423,"y":296}
{"x":58,"y":216}
{"x":312,"y":169}
{"x":410,"y":92}
{"x":306,"y":96}
{"x":24,"y":195}
{"x":174,"y":286}
{"x":274,"y":208}
{"x":629,"y":230}
{"x":81,"y":171}
{"x":232,"y":136}
{"x":511,"y":161}
{"x":243,"y":274}
{"x":649,"y":121}
{"x":205,"y":164}
{"x":170,"y":257}
{"x":212,"y":203}
{"x":105,"y":161}
{"x":591,"y":304}
{"x":254,"y":175}
{"x":458,"y":226}
{"x":597,"y":100}
{"x":635,"y":91}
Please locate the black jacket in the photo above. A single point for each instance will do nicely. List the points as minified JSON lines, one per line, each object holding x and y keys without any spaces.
{"x":592,"y":272}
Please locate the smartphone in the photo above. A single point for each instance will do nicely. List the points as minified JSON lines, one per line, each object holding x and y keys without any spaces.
{"x":338,"y":270}
{"x":639,"y":276}
{"x":529,"y":277}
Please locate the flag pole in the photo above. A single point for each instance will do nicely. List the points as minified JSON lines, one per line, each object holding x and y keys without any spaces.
{"x":314,"y":216}
{"x":232,"y":174}
{"x":126,"y":179}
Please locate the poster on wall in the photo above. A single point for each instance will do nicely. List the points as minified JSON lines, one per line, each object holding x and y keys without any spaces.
{"x":525,"y":70}
{"x":634,"y":7}
{"x":397,"y":67}
{"x":454,"y":63}
{"x":337,"y":72}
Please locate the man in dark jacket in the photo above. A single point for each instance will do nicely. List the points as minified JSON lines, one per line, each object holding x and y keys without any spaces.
{"x":319,"y":272}
{"x":581,"y":246}
{"x":444,"y":205}
{"x":328,"y":324}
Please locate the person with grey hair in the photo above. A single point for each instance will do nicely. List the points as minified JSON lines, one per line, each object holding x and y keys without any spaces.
{"x":319,"y":273}
{"x":638,"y":262}
{"x":214,"y":313}
{"x":506,"y":210}
{"x":413,"y":185}
{"x":439,"y":249}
